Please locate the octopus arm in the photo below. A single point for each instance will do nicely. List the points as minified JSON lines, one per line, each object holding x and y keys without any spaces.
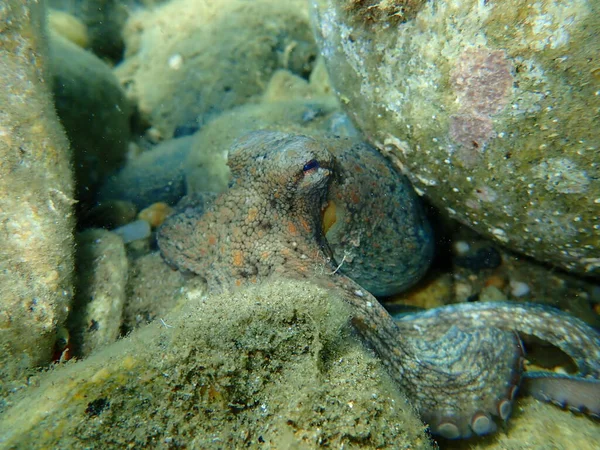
{"x":566,"y":391}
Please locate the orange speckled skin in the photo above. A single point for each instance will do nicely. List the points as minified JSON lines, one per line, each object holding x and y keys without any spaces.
{"x":267,"y":223}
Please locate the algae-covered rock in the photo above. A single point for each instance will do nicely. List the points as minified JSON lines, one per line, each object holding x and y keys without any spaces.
{"x":94,"y":111}
{"x":189,"y":60}
{"x":104,"y":21}
{"x":273,"y":366}
{"x":100,"y":295}
{"x":154,"y":289}
{"x":490,"y":108}
{"x":36,"y":197}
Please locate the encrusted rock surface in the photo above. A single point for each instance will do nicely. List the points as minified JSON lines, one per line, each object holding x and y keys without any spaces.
{"x":490,"y":108}
{"x":36,"y":198}
{"x":273,"y":366}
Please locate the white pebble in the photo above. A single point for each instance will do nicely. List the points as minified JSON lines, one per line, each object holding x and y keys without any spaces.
{"x":461,"y":247}
{"x":133,"y":231}
{"x":175,"y":61}
{"x":518,"y":288}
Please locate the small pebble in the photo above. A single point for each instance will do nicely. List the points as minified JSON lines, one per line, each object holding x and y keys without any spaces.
{"x":175,"y":61}
{"x":155,"y":214}
{"x":461,"y":247}
{"x":154,"y":135}
{"x":134,"y":231}
{"x":496,"y":281}
{"x":462,"y":291}
{"x":491,"y":294}
{"x":518,"y":288}
{"x":69,"y":27}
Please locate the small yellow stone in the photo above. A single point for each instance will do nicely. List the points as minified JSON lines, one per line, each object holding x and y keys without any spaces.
{"x":128,"y":362}
{"x":100,"y":376}
{"x":69,"y":27}
{"x":155,"y":214}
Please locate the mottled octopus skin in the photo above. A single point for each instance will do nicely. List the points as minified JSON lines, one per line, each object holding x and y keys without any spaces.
{"x":460,"y":365}
{"x":380,"y":233}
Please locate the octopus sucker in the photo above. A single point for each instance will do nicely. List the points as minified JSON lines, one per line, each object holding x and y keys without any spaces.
{"x":459,"y":365}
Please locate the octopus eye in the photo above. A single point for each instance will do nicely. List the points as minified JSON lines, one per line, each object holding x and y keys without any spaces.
{"x":312,"y":164}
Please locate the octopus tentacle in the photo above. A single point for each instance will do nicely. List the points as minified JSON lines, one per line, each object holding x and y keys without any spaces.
{"x":574,"y":393}
{"x":460,"y":365}
{"x":573,"y":336}
{"x":578,"y":340}
{"x":462,"y":378}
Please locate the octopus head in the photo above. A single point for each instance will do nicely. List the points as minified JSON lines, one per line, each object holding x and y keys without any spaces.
{"x":286,"y":167}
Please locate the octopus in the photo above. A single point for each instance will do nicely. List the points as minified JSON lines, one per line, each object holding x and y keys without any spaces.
{"x":334,"y":212}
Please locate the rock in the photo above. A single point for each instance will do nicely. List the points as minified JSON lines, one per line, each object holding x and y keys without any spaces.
{"x":101,"y":280}
{"x":104,"y":20}
{"x":154,"y":289}
{"x":36,"y":199}
{"x":491,"y":109}
{"x":275,"y":365}
{"x":156,"y":175}
{"x":189,"y":60}
{"x":137,"y":230}
{"x":155,"y":214}
{"x":69,"y":27}
{"x":94,"y":111}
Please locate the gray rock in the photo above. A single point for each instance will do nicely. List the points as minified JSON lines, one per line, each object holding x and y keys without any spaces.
{"x":94,"y":111}
{"x":156,"y":175}
{"x":493,"y":118}
{"x":36,"y":199}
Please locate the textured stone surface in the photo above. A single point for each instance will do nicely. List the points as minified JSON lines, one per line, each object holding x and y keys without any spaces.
{"x":100,"y":291}
{"x":94,"y":111}
{"x":189,"y":60}
{"x":490,"y":108}
{"x":36,"y":197}
{"x":273,"y":366}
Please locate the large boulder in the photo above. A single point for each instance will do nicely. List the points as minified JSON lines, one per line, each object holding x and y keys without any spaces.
{"x":36,"y":199}
{"x":490,"y":108}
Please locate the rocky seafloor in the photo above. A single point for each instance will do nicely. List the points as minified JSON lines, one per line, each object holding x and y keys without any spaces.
{"x":119,"y":110}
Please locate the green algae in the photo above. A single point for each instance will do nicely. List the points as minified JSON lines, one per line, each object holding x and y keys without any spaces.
{"x":275,"y":365}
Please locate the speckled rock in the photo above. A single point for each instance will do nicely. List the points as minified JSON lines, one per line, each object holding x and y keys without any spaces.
{"x":490,"y":108}
{"x":188,"y":60}
{"x":274,"y":366}
{"x":94,"y":111}
{"x":36,"y":199}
